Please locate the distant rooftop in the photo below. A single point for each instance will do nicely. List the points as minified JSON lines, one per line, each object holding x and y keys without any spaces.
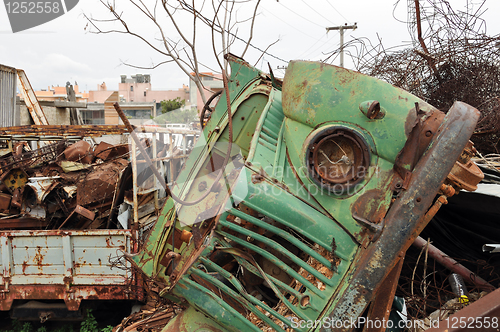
{"x":138,"y":78}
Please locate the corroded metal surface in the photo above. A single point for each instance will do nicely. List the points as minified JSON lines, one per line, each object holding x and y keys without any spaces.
{"x":382,"y":304}
{"x":80,"y":151}
{"x":405,"y":214}
{"x":47,"y":153}
{"x":72,"y":298}
{"x":99,"y":185}
{"x":78,"y":263}
{"x":62,"y":131}
{"x":453,"y":265}
{"x":65,"y":265}
{"x":107,"y":151}
{"x":267,"y":247}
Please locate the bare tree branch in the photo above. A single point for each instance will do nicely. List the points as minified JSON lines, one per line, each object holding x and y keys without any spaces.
{"x":172,"y":39}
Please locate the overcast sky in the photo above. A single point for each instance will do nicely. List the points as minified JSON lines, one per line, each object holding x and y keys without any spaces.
{"x":62,"y":50}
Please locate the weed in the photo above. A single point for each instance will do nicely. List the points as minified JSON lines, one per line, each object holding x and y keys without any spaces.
{"x":89,"y":324}
{"x":26,"y":327}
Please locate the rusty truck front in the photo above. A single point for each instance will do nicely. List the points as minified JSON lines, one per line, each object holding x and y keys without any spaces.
{"x":292,"y":214}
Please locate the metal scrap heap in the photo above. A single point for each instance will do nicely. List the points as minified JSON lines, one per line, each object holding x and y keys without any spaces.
{"x":61,"y":185}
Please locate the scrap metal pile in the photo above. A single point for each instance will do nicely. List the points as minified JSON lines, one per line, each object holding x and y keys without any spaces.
{"x":62,"y":185}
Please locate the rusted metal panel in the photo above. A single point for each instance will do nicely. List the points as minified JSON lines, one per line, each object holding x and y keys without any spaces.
{"x":106,"y":151}
{"x":5,"y":201}
{"x":59,"y":292}
{"x":80,"y":151}
{"x":37,"y":131}
{"x":381,"y":306}
{"x":99,"y":185}
{"x":67,"y":265}
{"x":22,"y":223}
{"x":8,"y":89}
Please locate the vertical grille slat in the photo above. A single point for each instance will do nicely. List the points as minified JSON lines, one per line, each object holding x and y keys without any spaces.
{"x":276,"y":246}
{"x":251,"y":298}
{"x":283,"y":234}
{"x":277,"y":262}
{"x":269,"y":132}
{"x":188,"y":283}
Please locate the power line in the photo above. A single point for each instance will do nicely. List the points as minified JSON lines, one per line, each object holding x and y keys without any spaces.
{"x":308,"y":5}
{"x":230,"y":33}
{"x":293,"y":27}
{"x":309,"y":50}
{"x":326,"y":45}
{"x":328,"y":2}
{"x":265,"y":52}
{"x":300,"y":15}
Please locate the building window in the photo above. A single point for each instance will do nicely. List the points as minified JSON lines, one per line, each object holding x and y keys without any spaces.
{"x":144,"y":93}
{"x":93,"y":117}
{"x":131,"y":88}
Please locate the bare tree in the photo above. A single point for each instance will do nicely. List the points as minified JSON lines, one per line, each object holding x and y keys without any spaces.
{"x":178,"y":28}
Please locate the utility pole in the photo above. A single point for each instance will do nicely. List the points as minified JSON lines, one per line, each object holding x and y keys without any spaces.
{"x":341,"y":30}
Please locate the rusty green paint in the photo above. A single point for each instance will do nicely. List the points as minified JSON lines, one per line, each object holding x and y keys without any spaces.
{"x":292,"y":218}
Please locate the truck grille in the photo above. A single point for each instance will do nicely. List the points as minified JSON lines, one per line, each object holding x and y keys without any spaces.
{"x":295,"y":273}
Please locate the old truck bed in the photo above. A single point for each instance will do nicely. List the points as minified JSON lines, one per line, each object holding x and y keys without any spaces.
{"x":64,"y":265}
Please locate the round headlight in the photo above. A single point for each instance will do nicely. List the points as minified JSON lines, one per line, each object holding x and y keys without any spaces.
{"x":337,"y":159}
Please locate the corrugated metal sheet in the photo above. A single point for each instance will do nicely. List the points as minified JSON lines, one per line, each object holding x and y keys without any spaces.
{"x":8,"y":83}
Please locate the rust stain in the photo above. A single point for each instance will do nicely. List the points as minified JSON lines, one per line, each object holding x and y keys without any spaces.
{"x":25,"y":265}
{"x":38,"y":256}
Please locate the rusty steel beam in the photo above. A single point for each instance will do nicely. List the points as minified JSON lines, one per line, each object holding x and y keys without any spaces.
{"x":153,"y":129}
{"x":22,"y":223}
{"x":453,"y":265}
{"x":62,"y":130}
{"x":72,"y":298}
{"x":382,"y":304}
{"x":482,"y":315}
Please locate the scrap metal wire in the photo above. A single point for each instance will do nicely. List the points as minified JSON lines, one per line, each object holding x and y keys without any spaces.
{"x":451,"y":57}
{"x":425,"y":286}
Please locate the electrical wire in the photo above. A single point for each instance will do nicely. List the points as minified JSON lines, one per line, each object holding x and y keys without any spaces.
{"x":310,"y":50}
{"x":293,"y":27}
{"x":308,"y":5}
{"x":206,"y":20}
{"x":300,"y":15}
{"x":328,"y":2}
